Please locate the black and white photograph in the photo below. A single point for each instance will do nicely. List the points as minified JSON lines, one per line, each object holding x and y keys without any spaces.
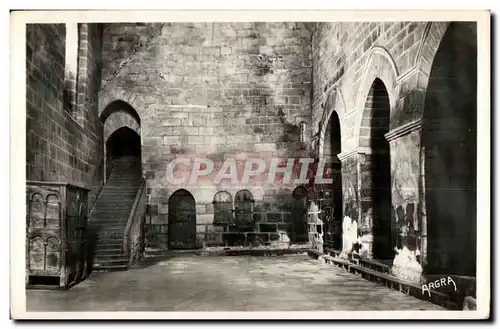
{"x":224,"y":164}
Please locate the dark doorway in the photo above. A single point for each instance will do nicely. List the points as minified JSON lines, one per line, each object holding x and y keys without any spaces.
{"x":299,"y":215}
{"x":182,"y":221}
{"x":449,"y":148}
{"x":123,"y":143}
{"x":380,"y":172}
{"x":333,"y":203}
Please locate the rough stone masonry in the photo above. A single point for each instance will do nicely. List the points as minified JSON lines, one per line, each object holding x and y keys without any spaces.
{"x":401,"y":94}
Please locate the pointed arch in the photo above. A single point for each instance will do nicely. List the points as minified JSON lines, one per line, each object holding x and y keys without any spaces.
{"x":119,"y":106}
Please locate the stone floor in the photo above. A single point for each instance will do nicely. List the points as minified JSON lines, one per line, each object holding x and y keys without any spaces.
{"x":241,"y":283}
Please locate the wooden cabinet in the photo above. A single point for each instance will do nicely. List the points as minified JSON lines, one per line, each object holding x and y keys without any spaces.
{"x":56,"y":234}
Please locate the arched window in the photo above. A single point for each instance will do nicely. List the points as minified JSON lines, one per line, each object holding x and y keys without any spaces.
{"x":223,"y":208}
{"x":243,"y":207}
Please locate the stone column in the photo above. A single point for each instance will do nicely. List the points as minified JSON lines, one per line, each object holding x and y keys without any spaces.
{"x":356,"y":189}
{"x":408,"y":222}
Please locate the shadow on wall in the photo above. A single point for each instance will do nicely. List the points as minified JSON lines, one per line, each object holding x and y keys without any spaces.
{"x":450,"y":150}
{"x":380,"y":173}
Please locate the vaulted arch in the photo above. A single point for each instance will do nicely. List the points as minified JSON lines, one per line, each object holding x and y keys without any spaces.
{"x":119,"y":106}
{"x":380,"y":65}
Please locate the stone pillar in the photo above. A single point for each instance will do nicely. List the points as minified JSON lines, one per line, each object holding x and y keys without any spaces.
{"x":407,"y":199}
{"x":356,"y":189}
{"x":405,"y":148}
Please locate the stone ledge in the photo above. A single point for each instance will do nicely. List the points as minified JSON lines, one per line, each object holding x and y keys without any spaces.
{"x":162,"y":255}
{"x":403,"y":130}
{"x":450,"y":301}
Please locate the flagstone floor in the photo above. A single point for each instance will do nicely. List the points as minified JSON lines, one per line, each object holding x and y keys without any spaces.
{"x":241,"y":283}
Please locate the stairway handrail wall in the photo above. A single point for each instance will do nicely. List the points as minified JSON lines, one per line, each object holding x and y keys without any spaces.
{"x":94,"y":203}
{"x":136,"y":213}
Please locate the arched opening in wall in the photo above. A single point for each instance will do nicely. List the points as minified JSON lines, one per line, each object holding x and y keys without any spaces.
{"x":123,"y":153}
{"x":123,"y":146}
{"x":119,"y":105}
{"x":376,"y":204}
{"x":332,"y":194}
{"x":450,"y":153}
{"x":223,"y":208}
{"x":181,"y":220}
{"x":243,"y":208}
{"x":236,"y":234}
{"x":299,"y":215}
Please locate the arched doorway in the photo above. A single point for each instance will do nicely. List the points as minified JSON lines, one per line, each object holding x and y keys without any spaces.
{"x":181,"y":221}
{"x":121,"y":133}
{"x":449,"y":151}
{"x":299,"y":215}
{"x":122,"y":140}
{"x":333,"y":203}
{"x":376,"y":195}
{"x":123,"y":144}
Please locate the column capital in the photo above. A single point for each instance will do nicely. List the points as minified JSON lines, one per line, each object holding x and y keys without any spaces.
{"x":403,"y":130}
{"x":358,"y":150}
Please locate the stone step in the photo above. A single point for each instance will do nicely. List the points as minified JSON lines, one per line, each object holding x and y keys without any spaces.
{"x":101,"y":221}
{"x":106,"y":236}
{"x":111,"y":261}
{"x":109,"y":268}
{"x":111,"y":229}
{"x":118,"y":194}
{"x":106,"y":212}
{"x":109,"y":246}
{"x":109,"y":241}
{"x":101,"y":257}
{"x":127,"y":184}
{"x":108,"y":251}
{"x":114,"y":201}
{"x":115,"y":198}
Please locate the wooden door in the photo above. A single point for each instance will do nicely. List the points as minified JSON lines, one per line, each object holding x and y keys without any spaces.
{"x":182,"y":221}
{"x":299,"y":215}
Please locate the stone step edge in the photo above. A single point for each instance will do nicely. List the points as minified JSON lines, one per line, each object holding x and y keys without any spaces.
{"x":436,"y":297}
{"x":161,"y":255}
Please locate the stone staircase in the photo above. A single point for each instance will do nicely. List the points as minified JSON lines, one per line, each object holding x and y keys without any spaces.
{"x":109,"y":217}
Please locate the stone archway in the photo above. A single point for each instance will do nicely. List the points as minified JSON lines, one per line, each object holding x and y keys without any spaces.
{"x":375,"y":171}
{"x":121,"y":134}
{"x":123,"y":143}
{"x":332,"y":203}
{"x":182,"y":220}
{"x":449,"y":150}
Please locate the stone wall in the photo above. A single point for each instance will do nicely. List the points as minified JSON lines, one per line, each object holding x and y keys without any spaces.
{"x":60,"y":145}
{"x":347,"y":59}
{"x":211,"y":90}
{"x":237,"y":91}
